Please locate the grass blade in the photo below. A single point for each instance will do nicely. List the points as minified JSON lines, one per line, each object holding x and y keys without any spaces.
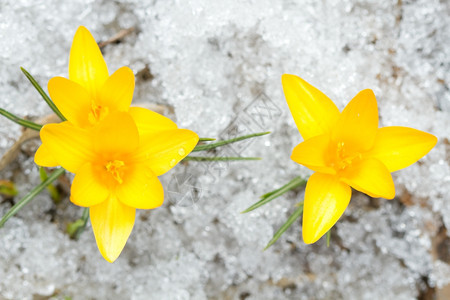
{"x":43,"y":94}
{"x":76,"y":228}
{"x":20,"y":121}
{"x":285,"y":226}
{"x":25,"y":200}
{"x":226,"y":142}
{"x":266,"y":198}
{"x":218,"y":158}
{"x":206,"y":139}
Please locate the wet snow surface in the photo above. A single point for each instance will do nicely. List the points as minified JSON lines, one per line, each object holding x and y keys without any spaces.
{"x":217,"y":65}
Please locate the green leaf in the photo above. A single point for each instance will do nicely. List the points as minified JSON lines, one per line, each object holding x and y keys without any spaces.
{"x":25,"y":200}
{"x":54,"y":194}
{"x":7,"y":188}
{"x":266,"y":198}
{"x":43,"y":94}
{"x":206,"y":139}
{"x":20,"y":121}
{"x":76,"y":228}
{"x":285,"y":226}
{"x":226,"y":142}
{"x":218,"y":158}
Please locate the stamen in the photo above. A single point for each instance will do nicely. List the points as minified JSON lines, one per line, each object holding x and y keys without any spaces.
{"x":115,"y":168}
{"x":97,"y":113}
{"x":343,"y":159}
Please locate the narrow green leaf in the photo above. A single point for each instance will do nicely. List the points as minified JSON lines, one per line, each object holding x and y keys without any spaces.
{"x":206,"y":139}
{"x":25,"y":200}
{"x":272,"y":192}
{"x":266,"y":198}
{"x":226,"y":142}
{"x":285,"y":226}
{"x":76,"y":228}
{"x":43,"y":94}
{"x":54,"y":194}
{"x":218,"y":158}
{"x":328,"y":237}
{"x":7,"y":188}
{"x":20,"y":121}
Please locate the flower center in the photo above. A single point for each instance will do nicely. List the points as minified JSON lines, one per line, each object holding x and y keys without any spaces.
{"x":97,"y":113}
{"x":115,"y":168}
{"x":344,"y":158}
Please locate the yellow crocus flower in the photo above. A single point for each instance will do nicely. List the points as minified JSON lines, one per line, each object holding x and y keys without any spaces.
{"x":89,"y":94}
{"x":116,"y":165}
{"x":346,"y":149}
{"x":116,"y":152}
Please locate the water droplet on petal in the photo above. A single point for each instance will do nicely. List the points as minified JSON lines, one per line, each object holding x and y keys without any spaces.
{"x":181,"y":152}
{"x":173,"y":162}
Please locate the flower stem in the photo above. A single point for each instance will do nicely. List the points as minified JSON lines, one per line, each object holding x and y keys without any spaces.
{"x":25,"y":200}
{"x":218,"y":158}
{"x":266,"y":198}
{"x":20,"y":121}
{"x":43,"y":94}
{"x":285,"y":226}
{"x":226,"y":142}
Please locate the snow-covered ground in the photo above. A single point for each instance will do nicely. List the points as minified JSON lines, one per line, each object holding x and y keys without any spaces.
{"x":217,"y":65}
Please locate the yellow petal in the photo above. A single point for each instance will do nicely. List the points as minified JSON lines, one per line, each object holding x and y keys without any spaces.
{"x":313,"y":112}
{"x":140,"y":188}
{"x":312,"y":153}
{"x":44,"y":158}
{"x":357,"y":126}
{"x":116,"y":134}
{"x":399,"y":147}
{"x":149,"y":121}
{"x":326,"y":199}
{"x":86,"y":64}
{"x":371,"y":177}
{"x":71,"y":146}
{"x":87,"y":187}
{"x":112,"y":223}
{"x":117,"y":91}
{"x":72,"y":100}
{"x":161,"y":151}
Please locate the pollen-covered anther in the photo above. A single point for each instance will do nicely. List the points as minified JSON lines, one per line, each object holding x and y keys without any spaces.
{"x":115,"y":168}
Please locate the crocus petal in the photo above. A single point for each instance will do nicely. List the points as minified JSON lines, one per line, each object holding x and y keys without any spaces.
{"x":117,"y":91}
{"x":326,"y":199}
{"x":313,"y":112}
{"x":357,"y":125}
{"x":87,"y":188}
{"x":112,"y":223}
{"x":149,"y":121}
{"x":70,"y":146}
{"x":399,"y":147}
{"x":116,"y":134}
{"x":371,"y":177}
{"x":86,"y":64}
{"x":163,"y":150}
{"x":140,"y":188}
{"x":312,"y":153}
{"x":72,"y":100}
{"x":44,"y":158}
